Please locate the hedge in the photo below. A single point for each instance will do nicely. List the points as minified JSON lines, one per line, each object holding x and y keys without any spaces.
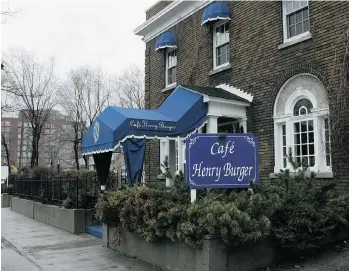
{"x":289,"y":209}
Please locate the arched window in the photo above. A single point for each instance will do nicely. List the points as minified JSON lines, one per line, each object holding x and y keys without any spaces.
{"x":301,"y":124}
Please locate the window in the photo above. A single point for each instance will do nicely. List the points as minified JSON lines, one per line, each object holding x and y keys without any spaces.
{"x":301,"y":124}
{"x":295,"y":18}
{"x":171,"y":67}
{"x":220,"y":44}
{"x":303,"y":131}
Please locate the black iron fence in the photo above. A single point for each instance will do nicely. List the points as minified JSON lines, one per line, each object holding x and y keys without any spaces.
{"x":70,"y":192}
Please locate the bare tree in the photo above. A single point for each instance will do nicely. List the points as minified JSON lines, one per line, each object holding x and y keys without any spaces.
{"x":85,"y":95}
{"x":7,"y":12}
{"x":33,"y":88}
{"x":130,"y":88}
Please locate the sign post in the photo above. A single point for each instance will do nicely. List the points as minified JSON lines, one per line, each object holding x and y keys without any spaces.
{"x":221,"y":161}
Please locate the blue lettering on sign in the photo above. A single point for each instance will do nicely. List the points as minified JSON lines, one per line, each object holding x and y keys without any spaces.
{"x":213,"y":161}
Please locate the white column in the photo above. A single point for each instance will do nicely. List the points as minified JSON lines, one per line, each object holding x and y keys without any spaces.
{"x":180,"y":154}
{"x":243,"y":123}
{"x":162,"y":152}
{"x":212,"y":125}
{"x":317,"y":143}
{"x":167,"y":154}
{"x":289,"y":143}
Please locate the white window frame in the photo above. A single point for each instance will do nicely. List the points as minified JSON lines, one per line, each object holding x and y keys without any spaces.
{"x":318,"y":115}
{"x":319,"y":133}
{"x":221,"y":22}
{"x":284,"y":19}
{"x":167,"y":67}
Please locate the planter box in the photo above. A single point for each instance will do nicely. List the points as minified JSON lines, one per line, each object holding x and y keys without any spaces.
{"x":5,"y":200}
{"x":42,"y":212}
{"x":71,"y":220}
{"x":23,"y":206}
{"x":212,"y":257}
{"x":165,"y":254}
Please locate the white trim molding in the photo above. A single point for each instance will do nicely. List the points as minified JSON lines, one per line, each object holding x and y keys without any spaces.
{"x":236,"y":91}
{"x":168,"y":17}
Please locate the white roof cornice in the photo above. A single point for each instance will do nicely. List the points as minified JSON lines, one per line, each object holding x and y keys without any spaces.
{"x":168,"y":17}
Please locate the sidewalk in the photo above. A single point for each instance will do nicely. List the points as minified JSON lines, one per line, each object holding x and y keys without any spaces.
{"x":31,"y":245}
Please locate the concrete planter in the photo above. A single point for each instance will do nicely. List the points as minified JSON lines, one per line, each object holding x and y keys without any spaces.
{"x":177,"y":257}
{"x":23,"y":206}
{"x":5,"y":200}
{"x":71,"y":220}
{"x":212,"y":257}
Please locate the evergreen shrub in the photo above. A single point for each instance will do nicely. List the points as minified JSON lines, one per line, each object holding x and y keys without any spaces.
{"x":290,"y":209}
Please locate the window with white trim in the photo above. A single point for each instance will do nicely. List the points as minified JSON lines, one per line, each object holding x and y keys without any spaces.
{"x":221,"y":48}
{"x":301,"y":124}
{"x":295,"y":18}
{"x":171,"y":67}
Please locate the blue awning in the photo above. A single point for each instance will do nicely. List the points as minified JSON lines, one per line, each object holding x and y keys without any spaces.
{"x":216,"y":11}
{"x":180,"y":114}
{"x":166,"y":40}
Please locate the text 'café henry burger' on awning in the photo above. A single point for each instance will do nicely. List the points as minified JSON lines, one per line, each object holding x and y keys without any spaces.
{"x":184,"y":112}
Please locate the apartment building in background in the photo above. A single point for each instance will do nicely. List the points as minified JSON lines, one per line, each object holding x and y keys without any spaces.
{"x":55,"y":146}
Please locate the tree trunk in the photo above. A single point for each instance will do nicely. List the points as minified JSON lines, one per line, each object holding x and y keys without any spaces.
{"x":4,"y":143}
{"x":34,"y":161}
{"x":76,"y":153}
{"x":33,"y":157}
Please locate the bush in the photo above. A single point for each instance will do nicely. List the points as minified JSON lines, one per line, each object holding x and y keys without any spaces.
{"x":39,"y":173}
{"x":167,"y":212}
{"x":290,"y":209}
{"x":23,"y":173}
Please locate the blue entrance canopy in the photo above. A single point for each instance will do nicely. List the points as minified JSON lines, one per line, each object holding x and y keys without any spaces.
{"x":180,"y":114}
{"x":216,"y":11}
{"x":166,"y":40}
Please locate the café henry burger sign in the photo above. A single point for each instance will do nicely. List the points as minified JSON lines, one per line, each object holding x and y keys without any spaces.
{"x":221,"y":161}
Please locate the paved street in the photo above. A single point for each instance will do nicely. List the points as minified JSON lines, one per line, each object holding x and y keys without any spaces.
{"x":28,"y":245}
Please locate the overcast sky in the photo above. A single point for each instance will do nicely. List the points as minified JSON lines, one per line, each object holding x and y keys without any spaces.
{"x":78,"y":32}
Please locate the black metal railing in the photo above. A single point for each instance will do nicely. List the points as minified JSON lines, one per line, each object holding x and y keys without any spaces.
{"x":73,"y":192}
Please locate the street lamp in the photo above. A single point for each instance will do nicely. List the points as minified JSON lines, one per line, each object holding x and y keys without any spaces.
{"x":3,"y":75}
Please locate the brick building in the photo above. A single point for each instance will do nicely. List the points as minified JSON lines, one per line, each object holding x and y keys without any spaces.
{"x":281,"y":53}
{"x":54,"y":146}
